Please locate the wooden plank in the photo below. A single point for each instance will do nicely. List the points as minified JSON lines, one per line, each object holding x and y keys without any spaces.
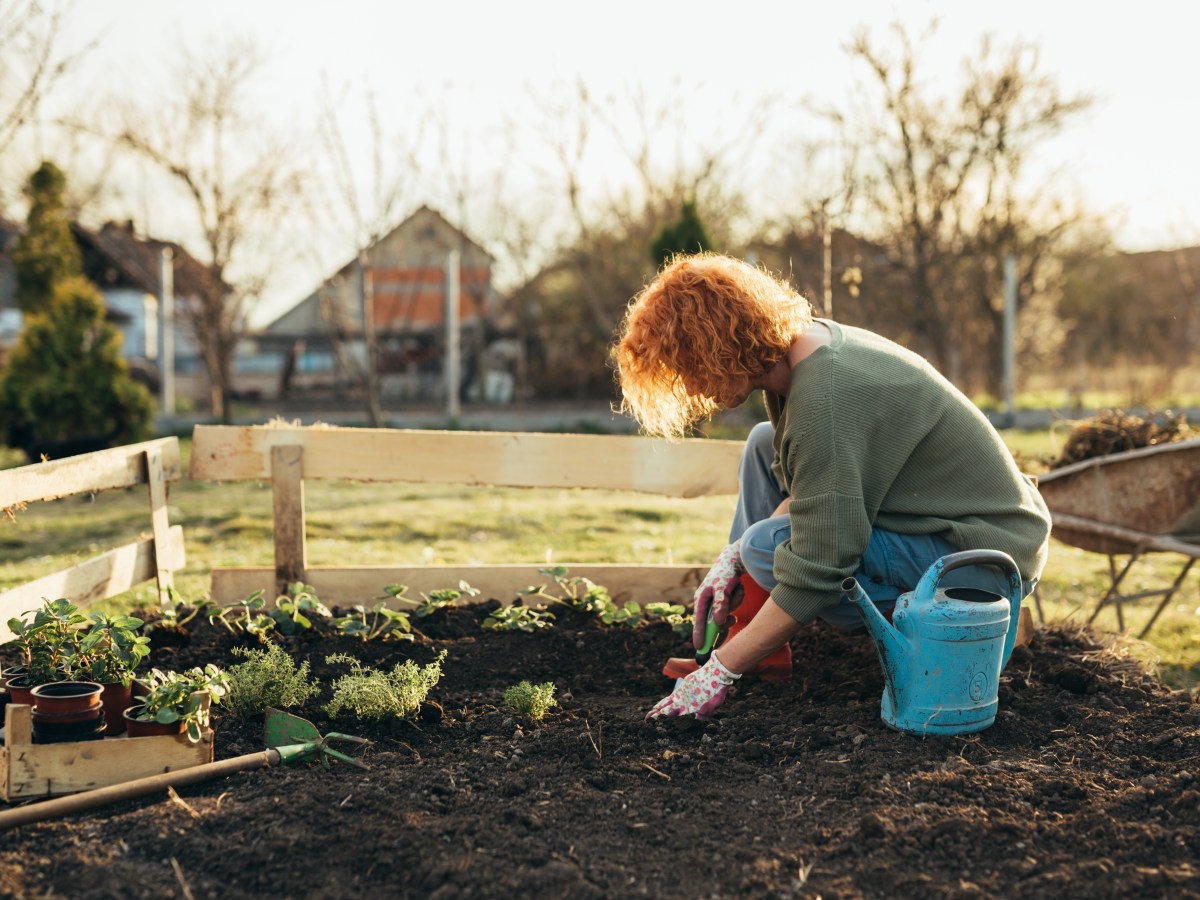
{"x":160,"y":523}
{"x":94,"y":579}
{"x":1025,"y":628}
{"x":47,"y":770}
{"x":348,"y":585}
{"x":287,"y":488}
{"x":18,"y":724}
{"x":690,"y":468}
{"x":90,"y":472}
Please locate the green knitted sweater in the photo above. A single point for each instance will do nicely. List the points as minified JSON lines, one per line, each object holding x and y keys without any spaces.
{"x":871,"y":435}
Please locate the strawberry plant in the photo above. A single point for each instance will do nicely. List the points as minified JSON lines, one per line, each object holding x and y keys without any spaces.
{"x":176,"y":697}
{"x":244,"y":615}
{"x":442,"y":599}
{"x":377,"y":622}
{"x":292,"y":610}
{"x":518,"y":618}
{"x":673,"y":614}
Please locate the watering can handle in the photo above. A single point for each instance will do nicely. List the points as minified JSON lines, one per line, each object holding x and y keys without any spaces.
{"x":1000,"y":560}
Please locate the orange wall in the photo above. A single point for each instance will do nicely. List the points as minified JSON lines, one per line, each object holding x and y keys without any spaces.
{"x":416,"y":295}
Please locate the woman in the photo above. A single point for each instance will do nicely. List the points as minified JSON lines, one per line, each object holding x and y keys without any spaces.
{"x":872,"y":463}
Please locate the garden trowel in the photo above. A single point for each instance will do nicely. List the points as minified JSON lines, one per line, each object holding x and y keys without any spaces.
{"x":295,"y":738}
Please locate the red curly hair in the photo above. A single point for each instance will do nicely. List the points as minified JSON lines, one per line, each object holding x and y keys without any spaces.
{"x":696,"y":333}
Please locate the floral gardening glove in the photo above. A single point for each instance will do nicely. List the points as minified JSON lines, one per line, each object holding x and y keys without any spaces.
{"x":714,"y":592}
{"x":698,"y":694}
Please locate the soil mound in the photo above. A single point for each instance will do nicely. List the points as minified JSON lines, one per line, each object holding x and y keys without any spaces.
{"x":1086,"y":786}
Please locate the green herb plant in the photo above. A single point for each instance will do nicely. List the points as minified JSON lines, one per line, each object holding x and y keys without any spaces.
{"x":178,"y":696}
{"x":518,"y":618}
{"x":533,"y":700}
{"x":110,"y":650}
{"x":268,"y":677}
{"x":49,"y":642}
{"x":375,"y":694}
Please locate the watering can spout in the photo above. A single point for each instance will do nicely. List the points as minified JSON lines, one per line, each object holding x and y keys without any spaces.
{"x":887,"y":638}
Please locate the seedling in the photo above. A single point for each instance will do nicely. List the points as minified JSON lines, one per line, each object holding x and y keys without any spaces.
{"x":377,"y":622}
{"x":673,"y":614}
{"x":375,"y":694}
{"x":268,"y":678}
{"x":289,"y":614}
{"x":533,"y":700}
{"x":443,"y":599}
{"x":518,"y":618}
{"x":630,"y":614}
{"x":585,"y":595}
{"x":244,"y":615}
{"x":178,"y":614}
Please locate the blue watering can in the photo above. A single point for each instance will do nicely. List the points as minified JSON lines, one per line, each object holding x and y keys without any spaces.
{"x":943,"y":652}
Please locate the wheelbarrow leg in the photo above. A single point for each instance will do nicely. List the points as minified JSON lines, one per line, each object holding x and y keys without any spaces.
{"x":1167,"y":595}
{"x":1112,"y":596}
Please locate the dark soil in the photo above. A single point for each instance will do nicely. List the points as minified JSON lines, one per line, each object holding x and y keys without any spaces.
{"x":1086,"y":786}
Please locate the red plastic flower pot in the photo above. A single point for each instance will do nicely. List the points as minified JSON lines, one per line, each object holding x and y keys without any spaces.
{"x":68,"y":701}
{"x":137,"y":728}
{"x":115,"y":700}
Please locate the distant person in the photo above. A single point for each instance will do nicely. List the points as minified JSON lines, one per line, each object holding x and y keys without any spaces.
{"x":871,"y":465}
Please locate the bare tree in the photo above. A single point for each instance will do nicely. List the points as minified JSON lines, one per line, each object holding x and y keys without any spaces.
{"x":365,"y":210}
{"x":239,"y":183}
{"x":599,"y":258}
{"x":32,"y":62}
{"x":946,"y":192}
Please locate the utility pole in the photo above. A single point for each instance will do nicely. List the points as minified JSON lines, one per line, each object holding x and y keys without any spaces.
{"x":166,"y":332}
{"x":1010,"y":336}
{"x":453,"y":335}
{"x":367,"y":300}
{"x":826,"y":259}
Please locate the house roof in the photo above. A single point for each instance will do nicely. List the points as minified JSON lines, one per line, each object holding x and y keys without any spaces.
{"x":114,"y":256}
{"x":406,"y":247}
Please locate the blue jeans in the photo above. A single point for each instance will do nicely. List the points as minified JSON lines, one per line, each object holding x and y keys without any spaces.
{"x":891,"y":563}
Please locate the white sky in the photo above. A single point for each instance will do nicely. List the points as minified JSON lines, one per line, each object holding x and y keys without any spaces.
{"x":1134,"y":155}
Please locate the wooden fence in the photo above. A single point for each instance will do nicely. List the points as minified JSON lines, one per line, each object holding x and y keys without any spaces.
{"x":154,"y":464}
{"x":286,"y":457}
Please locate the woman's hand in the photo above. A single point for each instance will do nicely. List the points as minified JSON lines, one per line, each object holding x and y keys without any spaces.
{"x":699,"y":694}
{"x":714,"y":592}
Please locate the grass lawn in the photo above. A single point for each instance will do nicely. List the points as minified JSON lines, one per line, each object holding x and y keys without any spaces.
{"x":401,"y":524}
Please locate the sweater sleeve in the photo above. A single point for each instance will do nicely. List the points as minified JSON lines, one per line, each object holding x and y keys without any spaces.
{"x":811,"y":566}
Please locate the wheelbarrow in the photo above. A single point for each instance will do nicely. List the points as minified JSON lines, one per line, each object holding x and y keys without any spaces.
{"x":1130,"y":504}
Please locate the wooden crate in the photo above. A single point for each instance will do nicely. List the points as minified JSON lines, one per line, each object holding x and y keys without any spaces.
{"x":29,"y":770}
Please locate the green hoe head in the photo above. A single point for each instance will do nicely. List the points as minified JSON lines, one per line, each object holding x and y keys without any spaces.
{"x":297,"y":739}
{"x":282,"y":729}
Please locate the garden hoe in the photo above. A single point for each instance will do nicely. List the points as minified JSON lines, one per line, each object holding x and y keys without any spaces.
{"x":289,"y":739}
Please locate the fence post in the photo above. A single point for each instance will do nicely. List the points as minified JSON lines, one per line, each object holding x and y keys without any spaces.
{"x":287,"y":486}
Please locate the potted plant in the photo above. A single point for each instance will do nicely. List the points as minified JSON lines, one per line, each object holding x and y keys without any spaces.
{"x":47,"y":646}
{"x":174,"y":702}
{"x":108,"y":653}
{"x":67,"y":711}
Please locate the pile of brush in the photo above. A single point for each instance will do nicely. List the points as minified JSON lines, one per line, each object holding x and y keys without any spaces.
{"x":1113,"y":431}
